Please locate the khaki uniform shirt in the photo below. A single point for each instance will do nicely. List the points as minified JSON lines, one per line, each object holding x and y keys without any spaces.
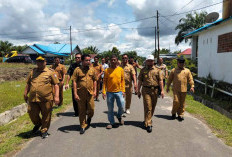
{"x":163,"y":69}
{"x":41,"y":85}
{"x":150,"y":77}
{"x":98,"y":68}
{"x":84,"y":79}
{"x":60,"y":70}
{"x":180,"y":78}
{"x":129,"y":71}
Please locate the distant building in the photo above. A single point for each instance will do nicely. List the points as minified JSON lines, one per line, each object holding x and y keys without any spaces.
{"x":186,"y":53}
{"x":212,"y":47}
{"x":51,"y":50}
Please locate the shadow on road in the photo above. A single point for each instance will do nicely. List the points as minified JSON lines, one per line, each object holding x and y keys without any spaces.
{"x":164,"y":117}
{"x":66,"y":114}
{"x":135,"y":123}
{"x":28,"y":135}
{"x":68,"y":128}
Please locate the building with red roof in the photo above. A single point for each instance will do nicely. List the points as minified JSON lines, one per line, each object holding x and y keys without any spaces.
{"x":186,"y":53}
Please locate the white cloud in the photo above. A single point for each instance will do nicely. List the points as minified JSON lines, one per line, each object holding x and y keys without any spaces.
{"x":111,"y":2}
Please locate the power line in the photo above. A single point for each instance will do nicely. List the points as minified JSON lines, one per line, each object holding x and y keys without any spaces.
{"x":193,"y":10}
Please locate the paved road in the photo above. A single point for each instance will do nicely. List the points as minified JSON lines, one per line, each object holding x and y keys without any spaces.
{"x":169,"y":137}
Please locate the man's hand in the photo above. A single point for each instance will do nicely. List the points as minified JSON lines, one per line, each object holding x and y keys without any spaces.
{"x":94,"y":94}
{"x":66,"y":86}
{"x":104,"y":96}
{"x":25,"y":98}
{"x":62,"y":83}
{"x":76,"y":97}
{"x":139,"y":94}
{"x":57,"y":101}
{"x":136,"y":89}
{"x":192,"y":90}
{"x":162,"y":94}
{"x":123,"y":94}
{"x":167,"y":90}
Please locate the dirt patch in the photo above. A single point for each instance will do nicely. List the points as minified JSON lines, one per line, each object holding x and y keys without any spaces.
{"x":14,"y":73}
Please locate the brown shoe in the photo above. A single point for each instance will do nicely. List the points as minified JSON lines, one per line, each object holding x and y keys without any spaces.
{"x":121,"y":122}
{"x":109,"y":126}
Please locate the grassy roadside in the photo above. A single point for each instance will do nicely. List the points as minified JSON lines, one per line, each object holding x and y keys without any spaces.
{"x":220,"y":125}
{"x":16,"y":133}
{"x":11,"y":94}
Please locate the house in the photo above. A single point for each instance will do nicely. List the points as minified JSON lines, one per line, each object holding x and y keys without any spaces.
{"x":51,"y":50}
{"x":186,"y":53}
{"x":212,"y":47}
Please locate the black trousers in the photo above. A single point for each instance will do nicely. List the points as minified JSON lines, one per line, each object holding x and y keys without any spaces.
{"x":75,"y":105}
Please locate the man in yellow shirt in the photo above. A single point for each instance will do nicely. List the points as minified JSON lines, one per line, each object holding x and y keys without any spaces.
{"x":114,"y":88}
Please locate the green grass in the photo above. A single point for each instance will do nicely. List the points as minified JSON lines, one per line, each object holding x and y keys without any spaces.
{"x":220,"y":125}
{"x":14,"y":134}
{"x":12,"y":65}
{"x":11,"y":94}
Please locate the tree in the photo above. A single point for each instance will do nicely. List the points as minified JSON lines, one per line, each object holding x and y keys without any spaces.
{"x":116,"y":51}
{"x":5,"y":47}
{"x":188,"y":24}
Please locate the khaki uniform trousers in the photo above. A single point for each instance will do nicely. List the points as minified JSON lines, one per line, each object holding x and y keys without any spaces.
{"x":34,"y":109}
{"x":128,"y":95}
{"x":149,"y":102}
{"x":178,"y":103}
{"x":60,"y":94}
{"x":85,"y":106}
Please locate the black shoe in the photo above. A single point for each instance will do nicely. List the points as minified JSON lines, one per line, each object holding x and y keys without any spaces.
{"x":89,"y":121}
{"x":44,"y":135}
{"x":82,"y":131}
{"x":173,"y":116}
{"x":149,"y":129}
{"x":35,"y":129}
{"x":180,"y":118}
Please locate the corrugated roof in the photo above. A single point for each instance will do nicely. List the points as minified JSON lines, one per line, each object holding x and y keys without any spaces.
{"x":37,"y":50}
{"x":207,"y":26}
{"x":186,"y":52}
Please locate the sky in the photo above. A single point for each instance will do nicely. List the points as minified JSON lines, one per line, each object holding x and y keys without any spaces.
{"x":100,"y":23}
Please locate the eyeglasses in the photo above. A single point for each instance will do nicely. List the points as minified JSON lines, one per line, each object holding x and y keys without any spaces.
{"x":77,"y":57}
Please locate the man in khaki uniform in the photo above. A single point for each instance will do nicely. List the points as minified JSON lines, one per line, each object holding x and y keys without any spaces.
{"x":150,"y":78}
{"x":130,"y":77}
{"x":84,"y":86}
{"x":180,"y":76}
{"x":61,"y":71}
{"x":40,"y":84}
{"x":99,"y":71}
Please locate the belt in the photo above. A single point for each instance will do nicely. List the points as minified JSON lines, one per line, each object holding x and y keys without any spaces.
{"x":151,"y":87}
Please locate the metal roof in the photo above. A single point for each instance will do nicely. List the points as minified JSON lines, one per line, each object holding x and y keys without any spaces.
{"x":207,"y":26}
{"x":55,"y":49}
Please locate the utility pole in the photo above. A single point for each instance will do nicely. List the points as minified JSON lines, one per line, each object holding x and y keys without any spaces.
{"x":158,"y":33}
{"x":71,"y":42}
{"x":155,"y":43}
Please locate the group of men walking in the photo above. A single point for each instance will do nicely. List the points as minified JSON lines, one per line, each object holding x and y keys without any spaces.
{"x":45,"y":86}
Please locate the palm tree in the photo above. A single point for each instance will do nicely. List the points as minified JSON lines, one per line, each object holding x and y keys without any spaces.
{"x":188,"y":24}
{"x":93,"y":49}
{"x":5,"y":47}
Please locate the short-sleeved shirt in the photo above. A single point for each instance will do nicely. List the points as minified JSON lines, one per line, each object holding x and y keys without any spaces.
{"x":60,"y":70}
{"x":41,"y":85}
{"x":150,"y":77}
{"x":129,"y":71}
{"x":72,"y":68}
{"x":163,"y":69}
{"x":180,"y":78}
{"x":84,"y":79}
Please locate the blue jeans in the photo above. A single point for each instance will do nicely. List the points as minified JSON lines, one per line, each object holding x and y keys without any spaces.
{"x":110,"y":103}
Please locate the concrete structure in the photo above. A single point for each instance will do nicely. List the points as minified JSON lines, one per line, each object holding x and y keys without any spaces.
{"x":212,"y":45}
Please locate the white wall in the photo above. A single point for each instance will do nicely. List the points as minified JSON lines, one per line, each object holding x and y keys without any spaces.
{"x":219,"y":65}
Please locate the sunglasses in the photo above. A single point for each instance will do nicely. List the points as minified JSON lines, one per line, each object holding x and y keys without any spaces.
{"x":124,"y":58}
{"x":77,"y":57}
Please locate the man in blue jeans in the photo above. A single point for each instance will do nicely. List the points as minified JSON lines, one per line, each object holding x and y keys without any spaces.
{"x":114,"y":88}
